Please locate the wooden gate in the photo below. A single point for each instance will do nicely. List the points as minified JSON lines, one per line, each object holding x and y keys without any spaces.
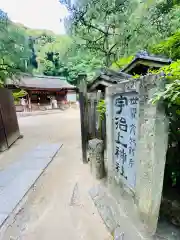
{"x":9,"y":128}
{"x":89,"y":118}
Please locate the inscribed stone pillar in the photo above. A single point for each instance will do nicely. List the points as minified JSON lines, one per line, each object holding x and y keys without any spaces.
{"x":96,"y":157}
{"x":137,"y":134}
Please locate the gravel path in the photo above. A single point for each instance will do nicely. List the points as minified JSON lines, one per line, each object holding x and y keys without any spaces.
{"x":59,"y":207}
{"x":39,"y":129}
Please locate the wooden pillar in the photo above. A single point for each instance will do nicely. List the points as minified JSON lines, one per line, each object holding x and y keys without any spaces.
{"x":29,"y":101}
{"x":83,"y":115}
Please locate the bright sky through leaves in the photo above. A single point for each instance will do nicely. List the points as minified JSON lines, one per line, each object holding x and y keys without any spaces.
{"x":38,"y":14}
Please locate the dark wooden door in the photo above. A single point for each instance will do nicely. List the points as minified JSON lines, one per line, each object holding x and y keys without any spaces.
{"x":3,"y":139}
{"x":8,"y":117}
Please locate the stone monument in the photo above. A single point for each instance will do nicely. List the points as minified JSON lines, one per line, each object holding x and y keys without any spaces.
{"x":137,"y":135}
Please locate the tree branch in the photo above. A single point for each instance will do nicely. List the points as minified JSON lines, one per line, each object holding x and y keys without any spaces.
{"x":83,"y":21}
{"x":92,"y":41}
{"x":113,"y":46}
{"x":95,"y":47}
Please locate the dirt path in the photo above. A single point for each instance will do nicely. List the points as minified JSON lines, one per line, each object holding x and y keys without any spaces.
{"x":60,"y":206}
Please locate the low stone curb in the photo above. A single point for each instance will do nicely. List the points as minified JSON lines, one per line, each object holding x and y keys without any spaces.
{"x":31,"y":114}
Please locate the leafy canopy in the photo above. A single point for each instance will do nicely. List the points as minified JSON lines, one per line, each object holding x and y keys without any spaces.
{"x":14,"y":50}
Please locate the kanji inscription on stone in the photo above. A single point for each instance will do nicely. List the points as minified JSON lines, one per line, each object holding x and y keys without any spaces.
{"x":125,"y":122}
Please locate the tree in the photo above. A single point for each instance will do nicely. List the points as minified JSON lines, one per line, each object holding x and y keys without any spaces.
{"x":14,"y":50}
{"x":81,"y":60}
{"x":116,"y":29}
{"x":48,"y":51}
{"x":170,"y":47}
{"x":150,"y":24}
{"x":100,"y":24}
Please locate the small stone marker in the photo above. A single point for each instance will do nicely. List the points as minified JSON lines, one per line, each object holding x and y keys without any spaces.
{"x":96,"y":156}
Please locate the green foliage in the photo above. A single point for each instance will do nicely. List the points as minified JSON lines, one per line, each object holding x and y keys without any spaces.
{"x":170,"y":47}
{"x":101,"y":109}
{"x":101,"y":25}
{"x":135,"y":76}
{"x":171,"y":72}
{"x":80,"y":60}
{"x":171,"y":94}
{"x":115,"y":30}
{"x":170,"y":97}
{"x":49,"y":50}
{"x":57,"y":55}
{"x":14,"y":50}
{"x":175,"y":175}
{"x":153,"y":24}
{"x":101,"y":32}
{"x":122,"y":62}
{"x":19,"y":94}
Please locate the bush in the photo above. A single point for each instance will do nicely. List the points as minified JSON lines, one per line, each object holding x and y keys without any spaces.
{"x":171,"y":99}
{"x":122,"y":62}
{"x":170,"y":47}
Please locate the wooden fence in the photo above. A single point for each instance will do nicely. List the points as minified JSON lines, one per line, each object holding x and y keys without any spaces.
{"x":90,"y":118}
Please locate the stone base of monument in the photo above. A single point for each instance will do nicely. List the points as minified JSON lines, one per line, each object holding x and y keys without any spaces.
{"x":114,"y":217}
{"x":118,"y":222}
{"x":96,"y":158}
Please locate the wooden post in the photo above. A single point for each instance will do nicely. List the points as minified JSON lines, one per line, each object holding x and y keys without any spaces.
{"x":29,"y":101}
{"x":83,"y":115}
{"x":97,"y":116}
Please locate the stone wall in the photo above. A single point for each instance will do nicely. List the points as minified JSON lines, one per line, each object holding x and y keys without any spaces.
{"x":142,"y":201}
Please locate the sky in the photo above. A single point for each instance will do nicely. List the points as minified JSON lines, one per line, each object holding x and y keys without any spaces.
{"x":38,"y":14}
